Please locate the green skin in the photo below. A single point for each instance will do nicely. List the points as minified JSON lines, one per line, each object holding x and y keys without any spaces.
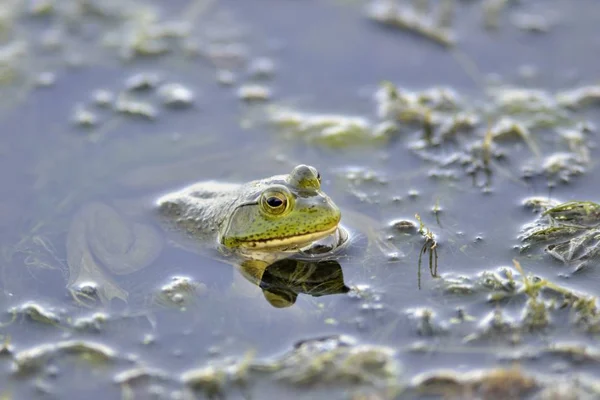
{"x":240,"y":219}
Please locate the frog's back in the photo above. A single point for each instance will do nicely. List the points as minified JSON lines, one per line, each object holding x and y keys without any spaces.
{"x":200,"y":209}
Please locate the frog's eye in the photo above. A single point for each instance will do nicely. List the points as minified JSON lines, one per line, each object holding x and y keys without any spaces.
{"x":319,"y":177}
{"x":275,"y":202}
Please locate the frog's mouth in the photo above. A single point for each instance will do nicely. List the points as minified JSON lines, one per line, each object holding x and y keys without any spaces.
{"x":296,"y":241}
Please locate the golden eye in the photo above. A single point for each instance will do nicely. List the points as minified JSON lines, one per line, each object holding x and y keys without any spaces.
{"x":274,"y":202}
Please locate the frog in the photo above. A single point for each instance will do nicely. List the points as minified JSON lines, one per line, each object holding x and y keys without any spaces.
{"x":251,"y":225}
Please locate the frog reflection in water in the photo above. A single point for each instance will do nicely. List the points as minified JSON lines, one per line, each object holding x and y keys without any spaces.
{"x":253,"y":225}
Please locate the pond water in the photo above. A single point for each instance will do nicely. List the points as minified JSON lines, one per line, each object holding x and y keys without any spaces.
{"x":401,"y":126}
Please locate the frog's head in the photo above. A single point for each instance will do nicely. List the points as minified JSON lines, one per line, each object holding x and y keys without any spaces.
{"x":281,"y":212}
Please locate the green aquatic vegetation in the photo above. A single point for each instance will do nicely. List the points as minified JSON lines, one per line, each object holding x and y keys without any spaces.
{"x":535,"y":316}
{"x":128,"y":102}
{"x":447,"y":122}
{"x":427,"y":322}
{"x":29,"y":360}
{"x":574,"y":352}
{"x":586,"y":312}
{"x":129,"y":106}
{"x":12,"y":56}
{"x":390,"y":13}
{"x":6,"y":347}
{"x":500,"y":284}
{"x":582,"y":213}
{"x":542,"y":234}
{"x":569,"y":232}
{"x":175,"y":95}
{"x":95,"y":322}
{"x":579,"y":97}
{"x":431,"y":105}
{"x":214,"y":379}
{"x":84,"y":117}
{"x":581,"y":387}
{"x":563,"y":166}
{"x":492,"y":10}
{"x":37,"y":313}
{"x":39,"y":38}
{"x":135,"y":374}
{"x":144,"y":32}
{"x":521,"y":101}
{"x":331,"y":130}
{"x":506,"y":127}
{"x":540,"y":299}
{"x":500,"y":383}
{"x":254,"y":93}
{"x":450,"y":130}
{"x":329,"y":361}
{"x":512,"y":382}
{"x":336,"y":360}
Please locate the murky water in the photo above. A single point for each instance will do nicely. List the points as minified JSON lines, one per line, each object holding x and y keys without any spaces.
{"x":62,"y":148}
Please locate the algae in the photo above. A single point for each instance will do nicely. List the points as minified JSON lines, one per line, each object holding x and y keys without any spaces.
{"x":568,"y":231}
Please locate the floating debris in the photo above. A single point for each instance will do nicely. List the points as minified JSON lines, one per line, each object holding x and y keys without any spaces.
{"x":254,"y":93}
{"x":539,"y":204}
{"x":128,"y":106}
{"x":180,"y":291}
{"x":83,"y":117}
{"x":175,"y":95}
{"x":142,"y":82}
{"x":404,"y":226}
{"x":93,"y":323}
{"x":102,"y":98}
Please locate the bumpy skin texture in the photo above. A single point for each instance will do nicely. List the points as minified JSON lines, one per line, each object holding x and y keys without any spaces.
{"x":234,"y":214}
